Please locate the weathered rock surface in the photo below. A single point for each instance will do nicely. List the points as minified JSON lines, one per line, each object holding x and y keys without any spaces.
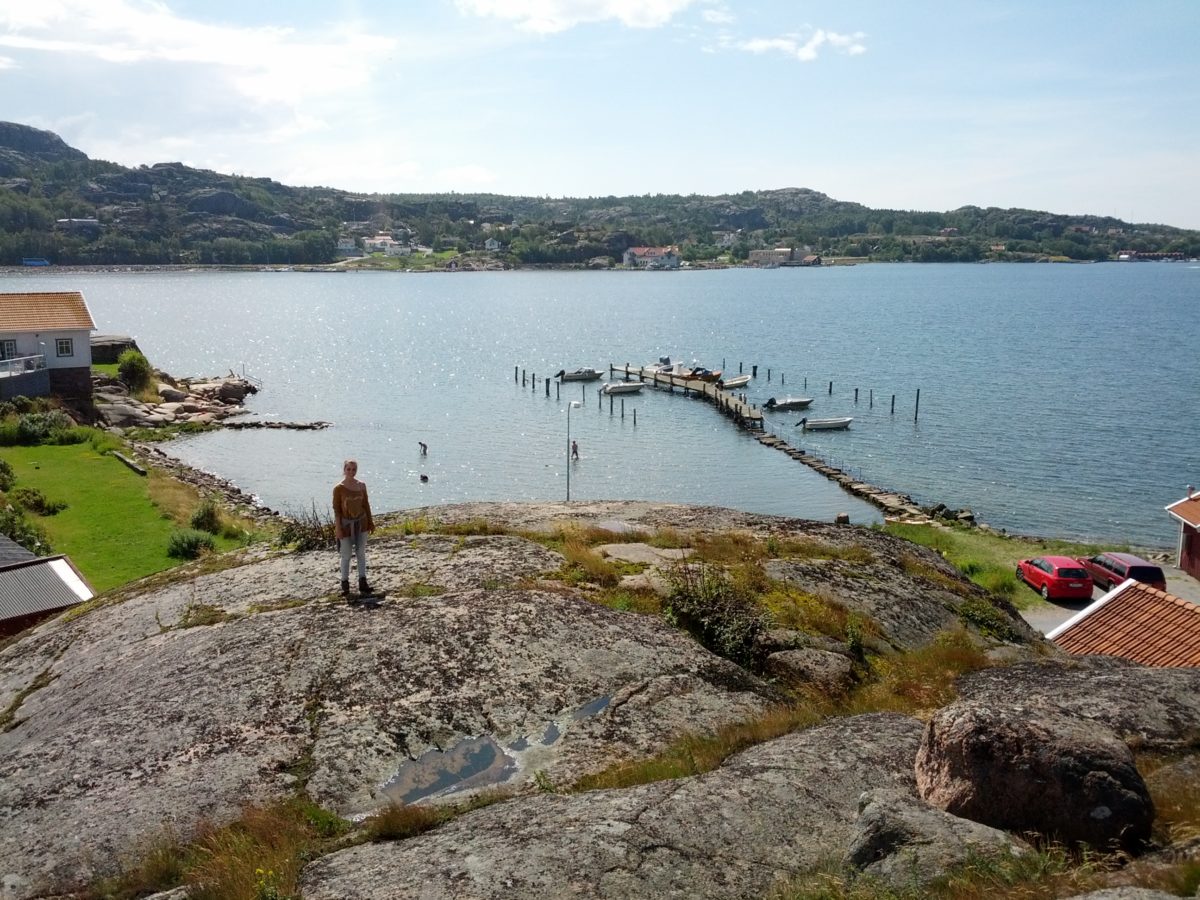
{"x":829,"y":672}
{"x":1124,"y":893}
{"x":901,"y":841}
{"x":1028,"y":766}
{"x":1154,"y":709}
{"x":142,"y":718}
{"x":768,"y":813}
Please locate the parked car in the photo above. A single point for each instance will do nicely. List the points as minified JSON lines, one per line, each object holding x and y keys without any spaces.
{"x":1110,"y":569}
{"x":1056,"y":577}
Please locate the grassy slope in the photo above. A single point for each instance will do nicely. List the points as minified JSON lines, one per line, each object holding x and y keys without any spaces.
{"x":112,"y":529}
{"x":990,"y":559}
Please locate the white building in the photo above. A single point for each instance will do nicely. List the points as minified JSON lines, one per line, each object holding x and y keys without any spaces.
{"x":45,"y":345}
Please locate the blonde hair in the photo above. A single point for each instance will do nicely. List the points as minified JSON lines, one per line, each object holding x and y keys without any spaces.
{"x":349,"y":462}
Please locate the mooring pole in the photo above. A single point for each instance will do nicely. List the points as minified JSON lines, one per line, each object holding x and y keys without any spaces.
{"x":856,"y":395}
{"x":522,"y":378}
{"x":610,"y":404}
{"x":516,"y":369}
{"x":622,"y":407}
{"x":872,"y":398}
{"x":917,"y":411}
{"x":893,"y":404}
{"x":831,"y":389}
{"x":557,"y":385}
{"x":635,"y":416}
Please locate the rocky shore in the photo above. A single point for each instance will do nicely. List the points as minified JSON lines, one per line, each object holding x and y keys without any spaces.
{"x":166,"y":705}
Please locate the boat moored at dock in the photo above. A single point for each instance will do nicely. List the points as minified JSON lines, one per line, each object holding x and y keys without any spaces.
{"x":622,"y":387}
{"x":837,"y":424}
{"x":587,"y":373}
{"x":788,"y":403}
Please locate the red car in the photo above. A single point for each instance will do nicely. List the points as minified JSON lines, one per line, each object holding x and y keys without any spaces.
{"x":1056,"y":577}
{"x":1110,"y":569}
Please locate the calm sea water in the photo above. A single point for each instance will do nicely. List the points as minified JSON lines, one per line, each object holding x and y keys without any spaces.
{"x":1054,"y":399}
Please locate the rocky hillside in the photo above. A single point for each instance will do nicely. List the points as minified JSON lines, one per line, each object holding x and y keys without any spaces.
{"x":58,"y":204}
{"x":529,"y":646}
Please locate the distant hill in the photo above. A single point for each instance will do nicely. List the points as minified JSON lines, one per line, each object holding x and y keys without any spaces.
{"x":57,"y":203}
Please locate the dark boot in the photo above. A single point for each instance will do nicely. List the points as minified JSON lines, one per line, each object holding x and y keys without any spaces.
{"x":346,"y":590}
{"x":363,"y":588}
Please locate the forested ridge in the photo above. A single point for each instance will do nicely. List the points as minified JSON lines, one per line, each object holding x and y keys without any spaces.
{"x":60,"y":205}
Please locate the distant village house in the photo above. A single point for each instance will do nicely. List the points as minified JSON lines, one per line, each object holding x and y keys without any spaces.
{"x":492,"y":245}
{"x":651,"y":258}
{"x":45,"y":345}
{"x":783,"y":256}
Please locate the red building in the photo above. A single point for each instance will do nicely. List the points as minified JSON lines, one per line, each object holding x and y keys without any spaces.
{"x":1187,"y":513}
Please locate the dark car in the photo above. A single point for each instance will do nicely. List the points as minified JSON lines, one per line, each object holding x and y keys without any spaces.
{"x":1056,"y":577}
{"x":1110,"y":569}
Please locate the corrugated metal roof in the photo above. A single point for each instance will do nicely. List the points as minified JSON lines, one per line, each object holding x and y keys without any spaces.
{"x":1138,"y":623}
{"x":12,"y":552}
{"x":41,"y":585}
{"x":48,"y":311}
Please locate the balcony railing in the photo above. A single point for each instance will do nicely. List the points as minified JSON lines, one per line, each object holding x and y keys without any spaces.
{"x":20,"y":365}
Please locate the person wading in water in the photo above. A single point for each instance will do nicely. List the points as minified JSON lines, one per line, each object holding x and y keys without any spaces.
{"x":351,"y":521}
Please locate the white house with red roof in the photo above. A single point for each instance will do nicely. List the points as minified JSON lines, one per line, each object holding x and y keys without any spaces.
{"x":651,"y":258}
{"x":1187,"y":513}
{"x":45,"y":345}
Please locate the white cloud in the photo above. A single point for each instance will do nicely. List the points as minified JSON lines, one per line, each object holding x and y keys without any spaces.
{"x":266,"y":65}
{"x":550,"y":16}
{"x":805,"y":47}
{"x":718,"y":16}
{"x":7,"y":62}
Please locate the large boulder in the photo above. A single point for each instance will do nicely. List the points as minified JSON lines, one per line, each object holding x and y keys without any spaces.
{"x":831,"y":673}
{"x":1152,"y":709}
{"x":1031,"y":767}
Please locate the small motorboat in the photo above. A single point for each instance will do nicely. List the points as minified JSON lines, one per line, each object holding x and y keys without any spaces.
{"x":621,"y":387}
{"x":703,"y":374}
{"x":788,"y":403}
{"x":825,"y":424}
{"x":732,"y":384}
{"x":585,"y":374}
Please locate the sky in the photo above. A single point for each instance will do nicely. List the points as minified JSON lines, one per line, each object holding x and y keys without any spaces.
{"x":1071,"y":107}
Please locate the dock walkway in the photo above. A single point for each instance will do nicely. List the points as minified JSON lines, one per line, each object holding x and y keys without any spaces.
{"x":743,"y":413}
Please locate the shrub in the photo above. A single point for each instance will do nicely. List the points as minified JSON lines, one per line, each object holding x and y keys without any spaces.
{"x":310,"y":530}
{"x":207,"y":517}
{"x":722,"y":615}
{"x":45,"y":427}
{"x":21,"y":403}
{"x":34,"y":501}
{"x":16,"y":527}
{"x":134,"y":369}
{"x":188,"y":543}
{"x":7,"y":475}
{"x":7,"y":409}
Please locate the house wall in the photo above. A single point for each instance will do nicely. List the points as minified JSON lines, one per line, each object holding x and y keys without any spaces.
{"x":26,"y":384}
{"x":1189,"y":551}
{"x":34,"y":343}
{"x":17,"y":624}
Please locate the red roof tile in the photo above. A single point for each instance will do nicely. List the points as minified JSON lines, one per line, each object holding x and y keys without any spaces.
{"x":1187,"y":510}
{"x":58,"y":311}
{"x":1138,"y":623}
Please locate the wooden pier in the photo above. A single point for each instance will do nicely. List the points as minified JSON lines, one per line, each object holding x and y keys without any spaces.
{"x":728,"y":402}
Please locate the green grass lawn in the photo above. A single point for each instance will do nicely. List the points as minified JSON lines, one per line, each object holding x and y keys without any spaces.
{"x":111,"y":529}
{"x":109,"y":369}
{"x":990,"y":559}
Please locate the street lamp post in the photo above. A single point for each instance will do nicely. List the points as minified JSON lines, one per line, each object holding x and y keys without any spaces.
{"x":574,"y":404}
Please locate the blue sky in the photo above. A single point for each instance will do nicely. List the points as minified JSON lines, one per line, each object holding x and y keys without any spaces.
{"x":1070,"y":107}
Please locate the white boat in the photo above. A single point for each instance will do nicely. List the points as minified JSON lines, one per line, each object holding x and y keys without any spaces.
{"x":732,"y":384}
{"x":585,"y":374}
{"x":621,"y":387}
{"x":825,"y":424}
{"x":788,"y":403}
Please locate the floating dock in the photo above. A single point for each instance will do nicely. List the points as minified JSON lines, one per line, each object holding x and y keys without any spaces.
{"x":744,"y":414}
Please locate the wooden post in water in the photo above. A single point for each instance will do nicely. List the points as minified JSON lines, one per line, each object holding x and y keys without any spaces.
{"x":622,"y":407}
{"x":516,"y":369}
{"x":856,"y":395}
{"x":917,"y":411}
{"x":635,"y":415}
{"x":533,"y":382}
{"x":557,"y":385}
{"x":547,"y":380}
{"x":768,"y":375}
{"x":610,"y":404}
{"x":781,"y":379}
{"x":754,"y":371}
{"x":522,"y":378}
{"x":739,"y":368}
{"x":893,"y":404}
{"x":806,"y":382}
{"x":831,"y":389}
{"x":872,"y":406}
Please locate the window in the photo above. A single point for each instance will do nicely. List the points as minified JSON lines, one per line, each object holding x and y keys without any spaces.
{"x":8,"y":349}
{"x":65,"y":346}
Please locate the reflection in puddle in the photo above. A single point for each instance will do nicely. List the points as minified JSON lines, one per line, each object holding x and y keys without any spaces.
{"x":479,"y":762}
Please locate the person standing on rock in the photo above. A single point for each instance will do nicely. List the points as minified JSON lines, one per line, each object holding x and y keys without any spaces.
{"x":351,"y":522}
